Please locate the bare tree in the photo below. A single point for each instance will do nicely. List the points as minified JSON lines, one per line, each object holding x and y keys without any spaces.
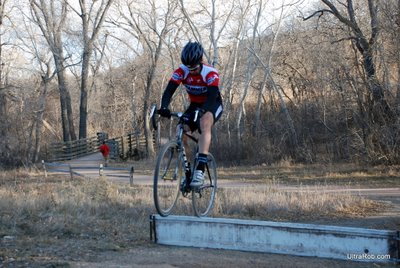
{"x":33,"y":45}
{"x":92,"y":14}
{"x":150,"y":28}
{"x":46,"y":78}
{"x":397,"y":26}
{"x":231,"y":67}
{"x":292,"y":130}
{"x":367,"y":47}
{"x":215,"y":25}
{"x":251,"y":66}
{"x":3,"y":88}
{"x":2,"y":95}
{"x":267,"y":73}
{"x":51,"y":17}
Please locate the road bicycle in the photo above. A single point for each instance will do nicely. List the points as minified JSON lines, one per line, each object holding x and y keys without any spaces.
{"x":173,"y":172}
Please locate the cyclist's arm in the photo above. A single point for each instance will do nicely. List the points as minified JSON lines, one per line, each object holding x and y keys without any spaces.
{"x":168,"y":93}
{"x":212,"y":95}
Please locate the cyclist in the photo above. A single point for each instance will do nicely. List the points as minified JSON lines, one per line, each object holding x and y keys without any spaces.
{"x":201,"y":83}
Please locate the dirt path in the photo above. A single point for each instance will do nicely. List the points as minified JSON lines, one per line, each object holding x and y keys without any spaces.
{"x":89,"y":166}
{"x":170,"y":256}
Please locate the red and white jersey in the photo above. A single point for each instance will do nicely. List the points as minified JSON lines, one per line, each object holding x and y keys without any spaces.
{"x":196,"y":84}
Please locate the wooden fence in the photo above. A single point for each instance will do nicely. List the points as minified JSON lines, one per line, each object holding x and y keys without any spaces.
{"x":84,"y":171}
{"x":131,"y":145}
{"x":128,"y":146}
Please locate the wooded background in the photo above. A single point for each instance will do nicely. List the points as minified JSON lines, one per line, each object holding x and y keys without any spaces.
{"x":302,"y":81}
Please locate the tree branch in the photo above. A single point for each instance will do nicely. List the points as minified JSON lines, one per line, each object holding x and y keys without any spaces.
{"x":320,"y":12}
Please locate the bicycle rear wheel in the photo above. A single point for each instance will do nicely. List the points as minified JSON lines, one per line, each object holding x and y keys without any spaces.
{"x":167,"y":178}
{"x":203,"y":197}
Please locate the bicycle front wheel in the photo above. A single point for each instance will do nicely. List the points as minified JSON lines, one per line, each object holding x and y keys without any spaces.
{"x":203,"y":197}
{"x":167,"y":178}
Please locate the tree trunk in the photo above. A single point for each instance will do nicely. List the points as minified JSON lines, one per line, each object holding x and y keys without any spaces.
{"x":83,"y":108}
{"x":292,"y":131}
{"x":88,"y":39}
{"x":257,"y":119}
{"x":63,"y":102}
{"x":51,"y":25}
{"x":380,"y":109}
{"x":3,"y":96}
{"x":39,"y":118}
{"x":397,"y":26}
{"x":251,"y":67}
{"x":261,"y":92}
{"x":150,"y":77}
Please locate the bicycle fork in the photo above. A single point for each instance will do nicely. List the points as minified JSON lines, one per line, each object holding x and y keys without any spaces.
{"x":185,"y":188}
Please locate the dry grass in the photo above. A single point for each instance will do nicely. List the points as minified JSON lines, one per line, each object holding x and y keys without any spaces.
{"x":90,"y":207}
{"x":63,"y":218}
{"x":93,"y":210}
{"x":332,"y":174}
{"x":303,"y":205}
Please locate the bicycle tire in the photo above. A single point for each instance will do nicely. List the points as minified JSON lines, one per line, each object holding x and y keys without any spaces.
{"x":167,"y":178}
{"x":203,"y":197}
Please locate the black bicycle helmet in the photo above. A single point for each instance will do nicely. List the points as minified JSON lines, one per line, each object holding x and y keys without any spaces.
{"x":192,"y":54}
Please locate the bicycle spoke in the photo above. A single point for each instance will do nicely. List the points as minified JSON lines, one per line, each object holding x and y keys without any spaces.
{"x":203,"y":197}
{"x":167,"y":176}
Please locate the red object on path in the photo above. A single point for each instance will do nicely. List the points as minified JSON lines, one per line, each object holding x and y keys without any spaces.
{"x":104,"y":149}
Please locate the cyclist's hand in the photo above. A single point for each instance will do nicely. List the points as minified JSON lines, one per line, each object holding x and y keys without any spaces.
{"x":164,"y":112}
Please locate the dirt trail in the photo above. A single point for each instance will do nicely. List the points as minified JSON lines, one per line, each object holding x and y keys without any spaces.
{"x":89,"y":166}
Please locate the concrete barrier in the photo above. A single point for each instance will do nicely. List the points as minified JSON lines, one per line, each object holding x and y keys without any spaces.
{"x":346,"y":243}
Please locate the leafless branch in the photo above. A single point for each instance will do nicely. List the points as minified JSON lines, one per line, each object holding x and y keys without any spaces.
{"x":320,"y":12}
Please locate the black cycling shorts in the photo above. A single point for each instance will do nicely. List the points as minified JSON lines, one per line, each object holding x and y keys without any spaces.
{"x":216,"y":111}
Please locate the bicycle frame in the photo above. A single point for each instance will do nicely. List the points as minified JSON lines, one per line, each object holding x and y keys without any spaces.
{"x":179,"y":139}
{"x":164,"y":178}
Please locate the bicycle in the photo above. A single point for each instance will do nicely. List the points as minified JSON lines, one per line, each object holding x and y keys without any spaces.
{"x":173,"y":173}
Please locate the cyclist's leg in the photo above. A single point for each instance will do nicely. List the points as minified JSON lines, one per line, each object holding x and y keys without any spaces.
{"x":206,"y":123}
{"x":191,"y":129}
{"x":105,"y":160}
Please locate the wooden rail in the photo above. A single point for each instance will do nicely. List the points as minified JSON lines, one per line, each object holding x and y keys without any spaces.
{"x":82,"y":171}
{"x":61,"y":151}
{"x":128,"y":146}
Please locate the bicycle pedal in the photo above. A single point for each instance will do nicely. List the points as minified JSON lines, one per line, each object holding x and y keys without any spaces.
{"x":186,"y":192}
{"x":196,"y":190}
{"x":184,"y":188}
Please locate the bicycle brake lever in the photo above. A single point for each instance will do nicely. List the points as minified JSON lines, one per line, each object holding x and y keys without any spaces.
{"x":152,"y":116}
{"x":153,"y":109}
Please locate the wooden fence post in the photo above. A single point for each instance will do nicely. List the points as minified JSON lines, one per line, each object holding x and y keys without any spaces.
{"x":101,"y":170}
{"x":122,"y":147}
{"x":44,"y":168}
{"x":131,"y":176}
{"x":130,"y":144}
{"x":71,"y":172}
